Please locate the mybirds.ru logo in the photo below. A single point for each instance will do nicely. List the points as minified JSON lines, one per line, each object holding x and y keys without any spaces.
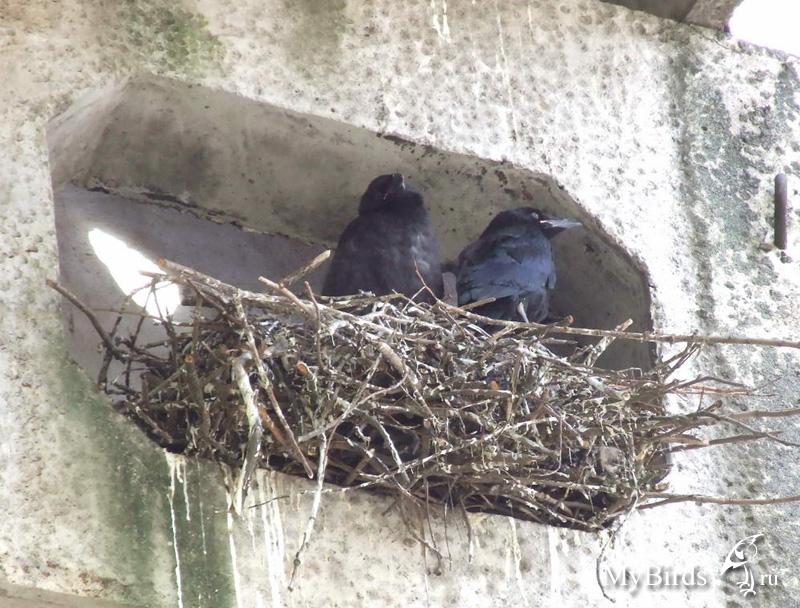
{"x":742,"y":559}
{"x":740,"y":567}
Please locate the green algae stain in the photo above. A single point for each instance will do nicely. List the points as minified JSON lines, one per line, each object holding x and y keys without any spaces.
{"x":202,"y":537}
{"x":118,"y":473}
{"x":174,"y":38}
{"x":722,"y":164}
{"x":129,"y":478}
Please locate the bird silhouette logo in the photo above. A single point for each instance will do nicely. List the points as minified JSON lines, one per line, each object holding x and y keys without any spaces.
{"x":742,"y":557}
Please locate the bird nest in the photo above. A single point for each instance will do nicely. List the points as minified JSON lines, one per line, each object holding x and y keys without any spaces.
{"x":413,"y":400}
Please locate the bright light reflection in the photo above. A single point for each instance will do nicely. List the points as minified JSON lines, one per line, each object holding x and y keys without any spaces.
{"x":126,"y":266}
{"x":770,"y":23}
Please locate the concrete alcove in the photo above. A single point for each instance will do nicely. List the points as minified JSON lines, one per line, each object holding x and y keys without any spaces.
{"x":237,"y":189}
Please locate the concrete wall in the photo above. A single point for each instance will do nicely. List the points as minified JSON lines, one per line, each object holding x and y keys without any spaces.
{"x":668,"y":136}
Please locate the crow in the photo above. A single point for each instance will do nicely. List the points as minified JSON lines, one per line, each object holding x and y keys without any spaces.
{"x":388,"y":247}
{"x":512,"y":261}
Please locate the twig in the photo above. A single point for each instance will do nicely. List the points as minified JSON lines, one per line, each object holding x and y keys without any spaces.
{"x":312,"y":518}
{"x":254,"y":439}
{"x":555,"y":328}
{"x":598,"y":349}
{"x":722,"y":441}
{"x":716,"y":500}
{"x":118,"y":353}
{"x":752,"y":430}
{"x":266,"y":384}
{"x":304,"y":307}
{"x":311,"y":266}
{"x":626,"y":335}
{"x":470,"y":534}
{"x":765,"y":413}
{"x":397,"y":363}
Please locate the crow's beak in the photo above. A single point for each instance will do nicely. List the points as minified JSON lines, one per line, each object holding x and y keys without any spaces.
{"x":552,"y":226}
{"x":397,"y":185}
{"x":559,"y":224}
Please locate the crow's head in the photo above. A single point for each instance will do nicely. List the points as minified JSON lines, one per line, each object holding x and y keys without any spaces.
{"x":391,"y":193}
{"x":529,"y":216}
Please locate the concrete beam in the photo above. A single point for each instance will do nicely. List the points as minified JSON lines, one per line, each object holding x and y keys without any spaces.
{"x":708,"y":13}
{"x":671,"y":9}
{"x":712,"y":13}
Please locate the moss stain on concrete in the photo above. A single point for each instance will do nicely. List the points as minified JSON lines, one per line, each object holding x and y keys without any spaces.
{"x":722,"y":167}
{"x":207,"y":578}
{"x":176,"y":39}
{"x":124,"y":474}
{"x":130,"y":478}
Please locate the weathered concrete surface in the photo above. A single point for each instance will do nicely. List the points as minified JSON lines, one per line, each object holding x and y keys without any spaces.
{"x":668,"y":136}
{"x":708,"y":13}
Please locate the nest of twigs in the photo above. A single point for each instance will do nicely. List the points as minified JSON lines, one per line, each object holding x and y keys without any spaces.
{"x":425,"y":402}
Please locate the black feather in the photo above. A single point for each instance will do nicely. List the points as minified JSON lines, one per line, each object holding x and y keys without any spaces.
{"x":382,"y":249}
{"x":512,"y":261}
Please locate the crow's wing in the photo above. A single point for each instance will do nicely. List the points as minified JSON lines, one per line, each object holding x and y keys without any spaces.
{"x":352,"y":268}
{"x":503,"y":266}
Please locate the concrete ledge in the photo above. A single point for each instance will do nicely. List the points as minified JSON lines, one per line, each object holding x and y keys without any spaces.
{"x":708,"y":13}
{"x":15,"y":596}
{"x":712,"y":13}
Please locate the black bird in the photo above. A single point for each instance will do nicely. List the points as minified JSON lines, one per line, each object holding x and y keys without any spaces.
{"x":383,"y":248}
{"x":512,"y":261}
